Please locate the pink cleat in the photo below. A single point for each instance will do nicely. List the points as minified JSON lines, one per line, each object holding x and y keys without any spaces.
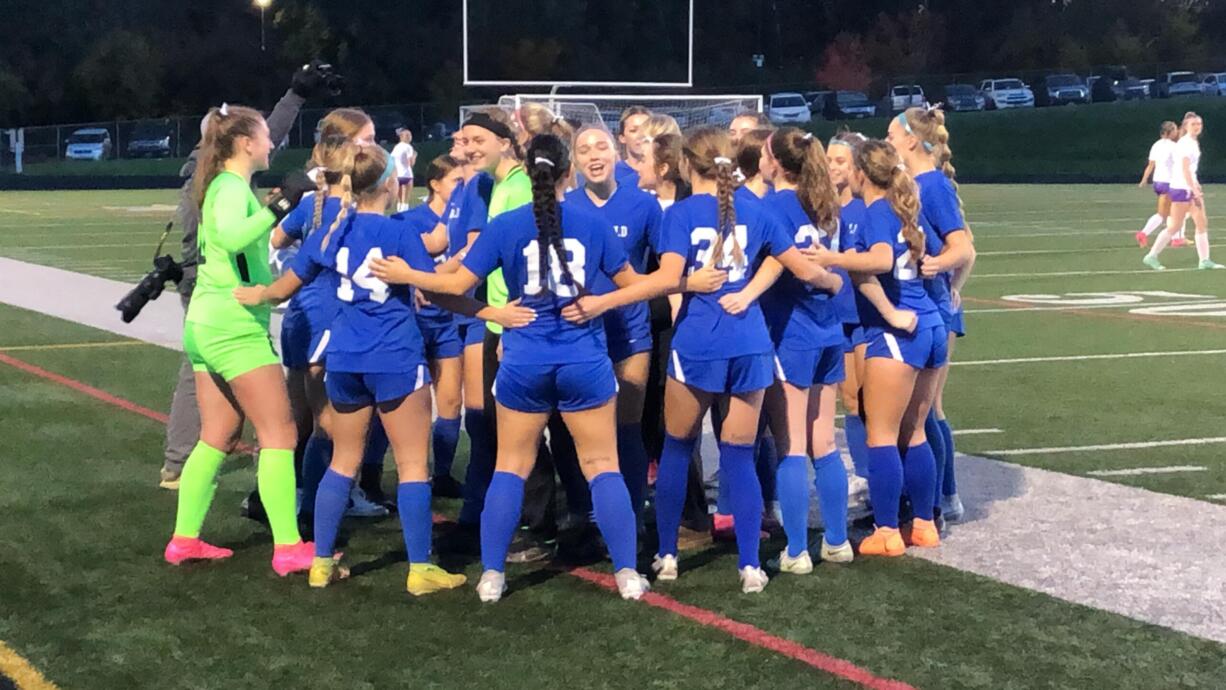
{"x":1142,"y":239}
{"x":723,"y":527}
{"x":293,"y":558}
{"x":1179,"y":242}
{"x":183,"y":549}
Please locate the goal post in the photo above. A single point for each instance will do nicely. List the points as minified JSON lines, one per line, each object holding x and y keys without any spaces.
{"x":588,"y":109}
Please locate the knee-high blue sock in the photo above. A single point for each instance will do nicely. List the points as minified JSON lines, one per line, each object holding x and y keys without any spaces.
{"x":932,"y":429}
{"x":376,"y":444}
{"x":331,"y":500}
{"x":480,"y":465}
{"x":446,"y":437}
{"x":503,"y":505}
{"x":670,"y":490}
{"x":857,"y":443}
{"x":315,"y":460}
{"x":949,"y":483}
{"x":413,"y":503}
{"x":766,"y":462}
{"x":736,"y":466}
{"x":831,"y":485}
{"x":615,"y":518}
{"x":632,"y":456}
{"x":919,"y":469}
{"x":884,"y":484}
{"x":793,"y":490}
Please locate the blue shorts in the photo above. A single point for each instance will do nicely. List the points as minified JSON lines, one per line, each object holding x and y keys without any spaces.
{"x":628,"y":331}
{"x":562,"y":387}
{"x":367,"y":389}
{"x":954,"y":322}
{"x":301,"y":345}
{"x":926,"y":348}
{"x":442,"y":339}
{"x":471,"y":331}
{"x":734,"y":375}
{"x":808,"y":368}
{"x":853,"y":336}
{"x":1161,"y":188}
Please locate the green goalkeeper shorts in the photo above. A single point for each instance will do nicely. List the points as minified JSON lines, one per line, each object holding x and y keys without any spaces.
{"x":229,"y":354}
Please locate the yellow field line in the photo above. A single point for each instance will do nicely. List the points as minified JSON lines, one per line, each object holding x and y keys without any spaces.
{"x":70,"y":346}
{"x":21,"y":672}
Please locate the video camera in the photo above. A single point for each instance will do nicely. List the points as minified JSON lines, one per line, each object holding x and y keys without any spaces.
{"x":165,"y":269}
{"x":317,"y":78}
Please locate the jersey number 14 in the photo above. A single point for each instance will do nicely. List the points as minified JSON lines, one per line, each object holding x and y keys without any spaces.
{"x":362,"y":276}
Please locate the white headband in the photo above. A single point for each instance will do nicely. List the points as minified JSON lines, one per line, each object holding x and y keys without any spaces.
{"x":721,"y":160}
{"x":541,"y":160}
{"x":224,"y":110}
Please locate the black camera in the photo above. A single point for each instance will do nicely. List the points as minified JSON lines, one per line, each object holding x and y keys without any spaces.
{"x":165,"y":269}
{"x":316,"y":79}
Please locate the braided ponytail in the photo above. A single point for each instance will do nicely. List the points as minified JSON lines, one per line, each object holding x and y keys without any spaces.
{"x":548,"y":163}
{"x":708,"y":151}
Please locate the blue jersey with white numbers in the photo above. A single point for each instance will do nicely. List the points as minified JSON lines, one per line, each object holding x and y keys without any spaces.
{"x":421,"y":219}
{"x":902,"y":284}
{"x":375,"y":330}
{"x":939,"y":207}
{"x":592,"y":249}
{"x":317,"y":300}
{"x":851,"y":228}
{"x":704,"y":331}
{"x":800,"y":316}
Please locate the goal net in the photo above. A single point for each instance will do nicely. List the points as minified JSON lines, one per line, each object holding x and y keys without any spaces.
{"x":589,"y":109}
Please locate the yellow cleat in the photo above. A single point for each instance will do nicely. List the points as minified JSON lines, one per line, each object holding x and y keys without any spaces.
{"x":425,"y":578}
{"x":325,"y":571}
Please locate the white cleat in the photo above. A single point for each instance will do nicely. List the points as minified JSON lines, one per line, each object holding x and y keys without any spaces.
{"x":630,"y":584}
{"x":842,"y":553}
{"x":753,"y":580}
{"x":952,"y":509}
{"x":362,"y":507}
{"x":800,"y":565}
{"x":665,"y":567}
{"x":491,"y":586}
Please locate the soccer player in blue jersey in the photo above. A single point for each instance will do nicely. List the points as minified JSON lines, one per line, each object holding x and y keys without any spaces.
{"x":630,"y":138}
{"x":549,"y":253}
{"x":376,"y":362}
{"x":716,"y":355}
{"x":902,"y":367}
{"x":920,"y":136}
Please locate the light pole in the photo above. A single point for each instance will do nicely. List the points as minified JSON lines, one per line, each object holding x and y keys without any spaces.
{"x":263,"y":5}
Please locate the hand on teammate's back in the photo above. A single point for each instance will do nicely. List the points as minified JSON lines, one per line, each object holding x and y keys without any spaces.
{"x":392,"y":270}
{"x":706,"y":280}
{"x":584,"y":309}
{"x":735,"y":303}
{"x":513,"y":315}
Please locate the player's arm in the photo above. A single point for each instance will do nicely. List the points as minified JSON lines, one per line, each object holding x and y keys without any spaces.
{"x":436,"y":239}
{"x":1190,"y":176}
{"x":665,"y":279}
{"x":878,"y":259}
{"x":1149,"y":170}
{"x":871,"y":289}
{"x":282,"y":289}
{"x":394,"y":270}
{"x":958,"y":251}
{"x":511,"y":316}
{"x":810,"y":271}
{"x":766,"y":275}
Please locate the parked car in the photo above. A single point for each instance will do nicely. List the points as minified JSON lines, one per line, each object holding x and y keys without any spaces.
{"x":904,"y":96}
{"x":817,"y":100}
{"x":959,"y":97}
{"x":150,"y":139}
{"x":1178,"y":84}
{"x":1213,"y":84}
{"x":1062,"y":89}
{"x":1006,"y":93}
{"x":1133,"y":89}
{"x":787,"y":108}
{"x":88,"y":144}
{"x":849,"y":105}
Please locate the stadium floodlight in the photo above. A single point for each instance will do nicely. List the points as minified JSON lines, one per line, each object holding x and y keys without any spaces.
{"x":263,"y":5}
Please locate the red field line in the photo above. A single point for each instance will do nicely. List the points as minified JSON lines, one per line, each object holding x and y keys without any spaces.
{"x":741,"y":631}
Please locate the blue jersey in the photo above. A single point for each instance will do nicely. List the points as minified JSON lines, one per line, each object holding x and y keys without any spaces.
{"x":375,"y":331}
{"x":625,"y":175}
{"x":510,"y":243}
{"x":421,"y":219}
{"x":851,"y":224}
{"x":902,"y":284}
{"x":800,"y":316}
{"x":317,"y":300}
{"x":939,"y":207}
{"x":474,"y":208}
{"x":704,"y":331}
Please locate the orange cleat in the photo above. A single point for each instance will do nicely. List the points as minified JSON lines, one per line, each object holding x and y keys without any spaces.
{"x":921,"y":533}
{"x":885,"y":541}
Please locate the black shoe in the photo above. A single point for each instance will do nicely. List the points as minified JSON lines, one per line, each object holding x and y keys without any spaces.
{"x":528,"y":548}
{"x":581,"y":544}
{"x":446,"y":486}
{"x":460,"y":539}
{"x":252,"y":508}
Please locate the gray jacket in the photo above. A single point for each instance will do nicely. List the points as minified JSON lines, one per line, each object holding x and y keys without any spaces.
{"x":187,"y":215}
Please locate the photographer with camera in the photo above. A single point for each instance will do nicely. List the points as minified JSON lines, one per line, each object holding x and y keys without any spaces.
{"x":183,"y":430}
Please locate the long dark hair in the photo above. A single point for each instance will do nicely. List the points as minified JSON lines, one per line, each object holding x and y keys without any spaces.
{"x":548,"y":162}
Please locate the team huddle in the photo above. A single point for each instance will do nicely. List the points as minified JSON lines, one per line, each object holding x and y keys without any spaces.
{"x":615,"y":288}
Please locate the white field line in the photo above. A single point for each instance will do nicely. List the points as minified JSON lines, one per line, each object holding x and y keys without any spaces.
{"x":83,"y":245}
{"x":1079,"y":307}
{"x":1080,"y":358}
{"x":1021,"y":252}
{"x":976,"y":432}
{"x":1063,"y":274}
{"x":1216,"y":497}
{"x":1137,"y":471}
{"x":1109,"y":446}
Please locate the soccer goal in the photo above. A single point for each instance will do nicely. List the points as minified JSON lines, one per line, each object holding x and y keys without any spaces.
{"x":586,"y":108}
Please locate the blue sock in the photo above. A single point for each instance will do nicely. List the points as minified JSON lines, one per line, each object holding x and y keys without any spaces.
{"x":376,"y":444}
{"x":919,"y":469}
{"x":446,"y":437}
{"x":949,"y":483}
{"x":832,"y":496}
{"x":884,"y":484}
{"x":503,"y":505}
{"x":857,"y":443}
{"x":932,"y":429}
{"x":615,"y":518}
{"x":766,"y":462}
{"x":793,"y":489}
{"x":670,"y":490}
{"x":413,"y":504}
{"x":330,"y":503}
{"x":315,"y":460}
{"x":736,"y":467}
{"x":632,"y":456}
{"x":480,"y":465}
{"x":723,"y":496}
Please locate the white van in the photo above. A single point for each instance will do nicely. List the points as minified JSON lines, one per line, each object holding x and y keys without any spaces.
{"x":787,"y":108}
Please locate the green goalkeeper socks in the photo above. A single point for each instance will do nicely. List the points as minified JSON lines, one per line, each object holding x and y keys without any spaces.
{"x":197,"y":485}
{"x":275,"y":477}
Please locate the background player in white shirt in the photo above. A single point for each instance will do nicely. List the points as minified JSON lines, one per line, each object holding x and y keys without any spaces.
{"x":1187,"y":197}
{"x":1161,"y":160}
{"x":405,"y":157}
